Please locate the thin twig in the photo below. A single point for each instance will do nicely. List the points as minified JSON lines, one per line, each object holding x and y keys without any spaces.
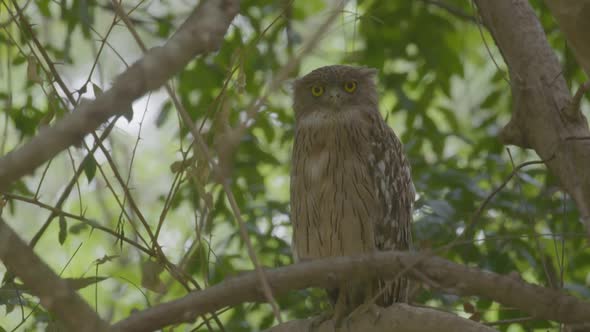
{"x":57,"y":212}
{"x":531,"y":222}
{"x":474,"y":219}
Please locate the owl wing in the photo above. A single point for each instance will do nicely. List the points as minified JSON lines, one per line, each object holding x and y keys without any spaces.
{"x":395,"y":190}
{"x":395,"y":195}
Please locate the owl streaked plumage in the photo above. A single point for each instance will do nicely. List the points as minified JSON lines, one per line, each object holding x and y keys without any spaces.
{"x":351,"y":189}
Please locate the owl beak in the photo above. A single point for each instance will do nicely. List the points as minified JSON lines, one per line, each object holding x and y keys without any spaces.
{"x":335,"y":96}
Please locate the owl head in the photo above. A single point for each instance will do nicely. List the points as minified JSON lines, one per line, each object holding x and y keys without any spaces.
{"x":331,"y":91}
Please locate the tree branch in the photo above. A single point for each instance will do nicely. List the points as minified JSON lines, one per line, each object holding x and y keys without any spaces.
{"x":54,"y":293}
{"x":542,"y":118}
{"x":572,"y":17}
{"x":539,"y":302}
{"x":201,"y":33}
{"x":397,"y":318}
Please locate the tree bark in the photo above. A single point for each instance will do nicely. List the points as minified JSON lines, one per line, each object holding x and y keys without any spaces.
{"x":573,"y":19}
{"x":396,"y":318}
{"x":543,"y":118}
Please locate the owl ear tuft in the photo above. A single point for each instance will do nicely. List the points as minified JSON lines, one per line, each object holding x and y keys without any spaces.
{"x":369,"y":72}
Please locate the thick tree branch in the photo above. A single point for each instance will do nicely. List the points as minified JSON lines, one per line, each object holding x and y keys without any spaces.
{"x":54,"y":293}
{"x":572,"y":17}
{"x":201,"y":33}
{"x":539,"y":302}
{"x":397,"y":318}
{"x":542,"y":118}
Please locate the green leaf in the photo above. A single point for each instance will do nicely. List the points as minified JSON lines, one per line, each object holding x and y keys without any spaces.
{"x":18,"y":60}
{"x":63,"y":229}
{"x":79,"y":283}
{"x":89,"y":165}
{"x":78,"y":228}
{"x":96,"y":89}
{"x":43,"y":6}
{"x":492,"y":99}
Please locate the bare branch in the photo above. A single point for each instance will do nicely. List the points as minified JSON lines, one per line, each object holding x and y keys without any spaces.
{"x":54,"y":292}
{"x":202,"y":32}
{"x":542,"y":117}
{"x":539,"y":302}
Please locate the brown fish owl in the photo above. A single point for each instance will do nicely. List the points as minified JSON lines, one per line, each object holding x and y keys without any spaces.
{"x":351,"y":189}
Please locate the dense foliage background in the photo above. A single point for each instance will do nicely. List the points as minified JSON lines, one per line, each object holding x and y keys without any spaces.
{"x":443,"y":88}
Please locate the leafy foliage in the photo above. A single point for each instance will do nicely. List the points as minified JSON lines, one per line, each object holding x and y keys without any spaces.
{"x":440,"y":91}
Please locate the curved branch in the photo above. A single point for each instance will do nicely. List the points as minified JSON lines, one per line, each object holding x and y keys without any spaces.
{"x":539,"y":302}
{"x":201,"y":33}
{"x":542,"y":117}
{"x":396,"y":318}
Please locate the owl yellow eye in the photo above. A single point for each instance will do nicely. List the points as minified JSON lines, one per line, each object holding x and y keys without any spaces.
{"x":350,"y":86}
{"x":317,"y":90}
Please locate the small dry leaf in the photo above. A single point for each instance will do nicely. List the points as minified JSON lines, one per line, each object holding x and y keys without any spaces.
{"x":150,"y":271}
{"x":468,"y":307}
{"x":32,"y":73}
{"x":202,"y":171}
{"x":475,"y":317}
{"x":47,"y":118}
{"x":176,"y":166}
{"x":181,"y":165}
